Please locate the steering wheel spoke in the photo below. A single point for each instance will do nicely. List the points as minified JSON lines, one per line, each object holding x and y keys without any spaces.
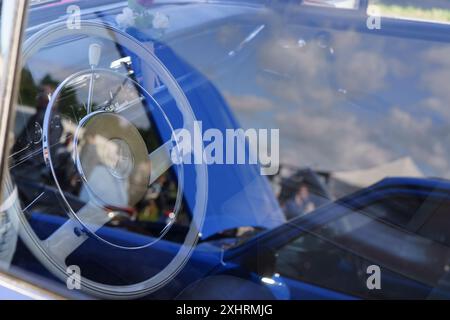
{"x":67,"y":238}
{"x":160,"y":161}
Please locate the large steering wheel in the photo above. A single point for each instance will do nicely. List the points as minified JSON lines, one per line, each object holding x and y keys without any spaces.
{"x":122,"y":160}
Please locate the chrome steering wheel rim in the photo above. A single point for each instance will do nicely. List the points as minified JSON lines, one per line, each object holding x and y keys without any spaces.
{"x":39,"y":248}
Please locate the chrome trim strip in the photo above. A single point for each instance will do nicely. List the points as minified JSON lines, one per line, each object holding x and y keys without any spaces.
{"x":11,"y":69}
{"x":25,"y":289}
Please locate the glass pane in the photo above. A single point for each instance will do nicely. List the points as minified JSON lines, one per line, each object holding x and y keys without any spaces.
{"x":153,"y":141}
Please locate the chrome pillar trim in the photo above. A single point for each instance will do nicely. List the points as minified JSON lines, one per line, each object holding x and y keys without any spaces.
{"x":13,"y":25}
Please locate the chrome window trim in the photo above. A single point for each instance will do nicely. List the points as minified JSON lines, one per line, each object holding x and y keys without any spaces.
{"x":29,"y":291}
{"x":9,"y":82}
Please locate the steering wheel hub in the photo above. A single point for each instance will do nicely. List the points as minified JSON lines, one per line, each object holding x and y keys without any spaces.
{"x":109,"y":149}
{"x":122,"y":161}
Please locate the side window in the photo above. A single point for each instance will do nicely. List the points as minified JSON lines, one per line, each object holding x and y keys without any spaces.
{"x":319,"y":262}
{"x":436,"y":225}
{"x":336,"y":255}
{"x":398,"y":210}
